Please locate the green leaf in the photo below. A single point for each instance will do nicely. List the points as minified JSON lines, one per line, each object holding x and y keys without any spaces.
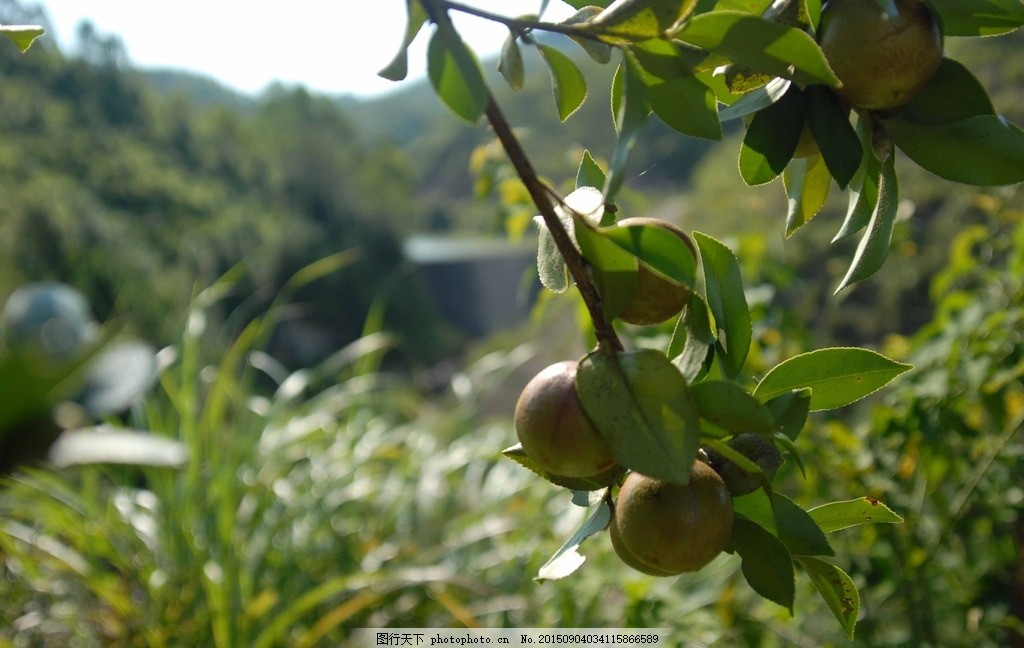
{"x":837,"y":589}
{"x":830,"y":124}
{"x":627,"y":21}
{"x":723,"y":288}
{"x":567,"y":81}
{"x":790,"y":411}
{"x":784,"y":519}
{"x":692,"y":344}
{"x":864,"y":186}
{"x":837,"y":376}
{"x":510,"y":64}
{"x":766,"y":563}
{"x":984,"y":150}
{"x":772,"y":138}
{"x":22,"y":35}
{"x":598,"y":51}
{"x":631,"y":110}
{"x":590,"y":173}
{"x":730,"y":407}
{"x":550,"y":265}
{"x":755,"y":100}
{"x":660,"y":249}
{"x":678,"y":98}
{"x":807,"y":182}
{"x":455,"y":74}
{"x":979,"y":17}
{"x":836,"y":516}
{"x":614,"y":268}
{"x":398,"y":68}
{"x":567,"y":559}
{"x":642,"y":408}
{"x":595,"y":483}
{"x":760,"y":44}
{"x":952,"y":95}
{"x":582,"y":4}
{"x":873,"y":248}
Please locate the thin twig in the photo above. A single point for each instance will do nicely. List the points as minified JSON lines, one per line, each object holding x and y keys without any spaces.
{"x":522,"y":25}
{"x":539,"y":192}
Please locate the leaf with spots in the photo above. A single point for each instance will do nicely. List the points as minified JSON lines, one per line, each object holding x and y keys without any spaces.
{"x":836,"y":516}
{"x":837,"y":589}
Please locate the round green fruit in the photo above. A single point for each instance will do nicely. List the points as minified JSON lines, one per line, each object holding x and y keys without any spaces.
{"x":656,"y":299}
{"x":759,"y":449}
{"x":554,"y":430}
{"x":883,"y":59}
{"x":665,"y":529}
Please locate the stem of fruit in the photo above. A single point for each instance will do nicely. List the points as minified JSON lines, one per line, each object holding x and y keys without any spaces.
{"x":607,"y":339}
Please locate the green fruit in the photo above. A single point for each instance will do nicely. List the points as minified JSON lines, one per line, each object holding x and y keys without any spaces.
{"x":656,"y":299}
{"x":755,"y":447}
{"x":553,"y":428}
{"x":883,"y":59}
{"x":664,"y":529}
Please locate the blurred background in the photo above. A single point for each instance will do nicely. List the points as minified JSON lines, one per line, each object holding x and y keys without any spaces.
{"x":345,"y":465}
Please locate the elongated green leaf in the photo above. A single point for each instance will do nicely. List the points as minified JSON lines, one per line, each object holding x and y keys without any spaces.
{"x":807,"y":183}
{"x":953,"y":94}
{"x":979,"y":17}
{"x":772,"y":138}
{"x":830,"y":124}
{"x":550,"y":265}
{"x":398,"y":68}
{"x":567,"y":82}
{"x":864,"y":187}
{"x":590,"y":173}
{"x":631,"y":110}
{"x":755,"y":100}
{"x":584,"y":484}
{"x":567,"y":559}
{"x":837,"y":376}
{"x":614,"y":268}
{"x":766,"y":564}
{"x":643,"y":409}
{"x":22,"y":35}
{"x":455,"y":74}
{"x":873,"y":248}
{"x":790,"y":411}
{"x":510,"y":63}
{"x":626,"y":21}
{"x":783,"y":518}
{"x":723,"y":286}
{"x":760,"y":44}
{"x":730,"y":407}
{"x":837,"y":589}
{"x":836,"y":516}
{"x":984,"y":150}
{"x":678,"y":98}
{"x":692,"y":346}
{"x":600,"y":52}
{"x":660,"y":249}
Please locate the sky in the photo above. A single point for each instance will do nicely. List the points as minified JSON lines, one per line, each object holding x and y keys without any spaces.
{"x":335,"y":47}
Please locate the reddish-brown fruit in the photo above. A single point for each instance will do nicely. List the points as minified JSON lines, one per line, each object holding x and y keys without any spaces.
{"x":883,"y":60}
{"x":553,"y":428}
{"x":672,"y":528}
{"x":656,"y":299}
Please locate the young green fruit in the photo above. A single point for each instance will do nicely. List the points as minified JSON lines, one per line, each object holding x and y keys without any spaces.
{"x":665,"y":529}
{"x":553,"y":428}
{"x":755,"y":447}
{"x":883,"y":58}
{"x":656,"y":299}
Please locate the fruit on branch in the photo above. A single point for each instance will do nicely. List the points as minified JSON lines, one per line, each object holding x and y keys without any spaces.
{"x":554,"y":430}
{"x":759,"y":449}
{"x":665,"y":529}
{"x":656,"y":299}
{"x":883,"y":57}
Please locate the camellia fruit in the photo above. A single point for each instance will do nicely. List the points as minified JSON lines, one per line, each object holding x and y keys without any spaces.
{"x":884,"y":58}
{"x":656,"y":299}
{"x":554,"y":430}
{"x":759,"y":449}
{"x":665,"y":529}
